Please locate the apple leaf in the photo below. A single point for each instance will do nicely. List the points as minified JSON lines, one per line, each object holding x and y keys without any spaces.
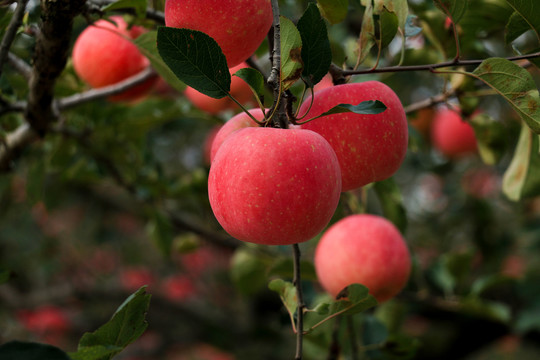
{"x":253,"y":78}
{"x":334,"y":11}
{"x":388,"y":26}
{"x":515,"y":27}
{"x":160,"y":230}
{"x":291,"y":53}
{"x":528,"y":10}
{"x":316,"y":51}
{"x":127,"y":324}
{"x":369,"y":107}
{"x":248,"y":271}
{"x":516,"y":85}
{"x":19,"y":350}
{"x":487,"y":282}
{"x":399,"y":7}
{"x":287,"y":293}
{"x":392,"y":202}
{"x":522,"y":177}
{"x":196,"y":59}
{"x":491,"y":138}
{"x":283,"y":267}
{"x":147,"y":45}
{"x":455,"y":9}
{"x":138,"y":5}
{"x":492,"y":310}
{"x":367,"y":33}
{"x":95,"y":352}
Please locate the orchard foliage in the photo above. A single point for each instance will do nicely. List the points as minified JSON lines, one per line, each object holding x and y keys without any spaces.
{"x":109,"y":247}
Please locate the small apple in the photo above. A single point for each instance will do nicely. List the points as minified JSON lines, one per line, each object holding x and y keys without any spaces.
{"x":178,"y":288}
{"x":239,"y":90}
{"x":133,"y":278}
{"x":238,"y":26}
{"x":451,"y":135}
{"x":103,"y":55}
{"x":237,"y":122}
{"x":363,"y":249}
{"x":369,"y":147}
{"x":274,"y":186}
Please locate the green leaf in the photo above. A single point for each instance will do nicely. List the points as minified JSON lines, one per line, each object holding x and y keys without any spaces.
{"x":147,"y":45}
{"x":253,"y":78}
{"x":248,"y":271}
{"x":334,"y":11}
{"x":95,"y":352}
{"x":287,"y":293}
{"x":455,"y":9}
{"x":528,"y":320}
{"x":19,"y":350}
{"x":391,"y":201}
{"x":522,"y":177}
{"x":291,"y":53}
{"x":491,"y":137}
{"x":160,"y":230}
{"x":388,"y":27}
{"x":492,"y":310}
{"x":127,"y":324}
{"x":138,"y":5}
{"x":316,"y":50}
{"x":516,"y":85}
{"x":196,"y":59}
{"x":399,"y":7}
{"x":369,"y":107}
{"x":515,"y":27}
{"x":366,"y":39}
{"x":529,"y":10}
{"x":5,"y":275}
{"x":356,"y":299}
{"x":487,"y":282}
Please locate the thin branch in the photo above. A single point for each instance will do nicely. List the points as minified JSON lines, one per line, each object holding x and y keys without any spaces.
{"x":14,"y":142}
{"x":11,"y":31}
{"x":428,"y":67}
{"x":20,"y":65}
{"x":297,"y":281}
{"x":429,"y":102}
{"x":152,"y":14}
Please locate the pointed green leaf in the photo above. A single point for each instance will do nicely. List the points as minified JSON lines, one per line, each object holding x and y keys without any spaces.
{"x":18,"y":350}
{"x":455,"y":9}
{"x":522,"y":178}
{"x":515,"y":85}
{"x":160,"y":230}
{"x":253,"y":78}
{"x":491,"y":138}
{"x":399,"y":7}
{"x":147,"y":45}
{"x":355,"y":299}
{"x":370,"y":107}
{"x":287,"y":293}
{"x":291,"y":53}
{"x":529,"y":10}
{"x":316,"y":51}
{"x":515,"y":27}
{"x":95,"y":352}
{"x":127,"y":324}
{"x":196,"y":59}
{"x":388,"y":27}
{"x":392,"y":202}
{"x":138,"y":5}
{"x":366,"y":39}
{"x":334,"y":11}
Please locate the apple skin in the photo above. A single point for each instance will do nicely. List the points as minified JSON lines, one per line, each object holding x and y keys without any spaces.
{"x":369,"y":147}
{"x":364,"y":249}
{"x":239,"y":90}
{"x":237,"y":122}
{"x":238,"y":26}
{"x":103,"y":56}
{"x":274,"y":186}
{"x":451,"y":136}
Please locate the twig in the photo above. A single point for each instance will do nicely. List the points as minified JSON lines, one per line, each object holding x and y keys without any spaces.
{"x":20,"y":65}
{"x":297,"y":281}
{"x":152,"y":14}
{"x":13,"y":142}
{"x":11,"y":31}
{"x":434,"y":100}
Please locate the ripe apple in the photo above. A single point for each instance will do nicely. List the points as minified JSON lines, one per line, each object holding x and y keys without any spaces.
{"x":369,"y":147}
{"x":208,"y":141}
{"x":178,"y":288}
{"x":363,"y":249}
{"x":237,"y":122}
{"x":451,"y":135}
{"x":238,"y":26}
{"x":274,"y":186}
{"x":239,"y":90}
{"x":103,"y":55}
{"x":422,"y":121}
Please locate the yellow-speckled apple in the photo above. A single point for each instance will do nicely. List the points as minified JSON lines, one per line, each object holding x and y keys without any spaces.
{"x":274,"y":186}
{"x":369,"y":147}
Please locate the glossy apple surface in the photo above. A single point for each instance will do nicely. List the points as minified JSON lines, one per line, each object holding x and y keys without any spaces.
{"x":103,"y":55}
{"x":238,"y":26}
{"x":274,"y":186}
{"x":363,"y":249}
{"x":451,"y":135}
{"x":369,"y":147}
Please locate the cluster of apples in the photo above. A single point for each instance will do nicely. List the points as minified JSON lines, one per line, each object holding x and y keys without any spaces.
{"x":282,"y":186}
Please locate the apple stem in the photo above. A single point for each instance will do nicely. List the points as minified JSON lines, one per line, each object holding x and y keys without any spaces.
{"x":297,"y":281}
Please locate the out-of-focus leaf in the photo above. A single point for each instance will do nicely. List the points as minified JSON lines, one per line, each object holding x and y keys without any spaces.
{"x":138,"y":5}
{"x":392,"y":202}
{"x":95,"y":352}
{"x":160,"y":230}
{"x":291,"y":53}
{"x":491,"y":138}
{"x":253,"y":78}
{"x":248,"y":271}
{"x":528,"y":320}
{"x":147,"y":45}
{"x":287,"y":293}
{"x":516,"y":85}
{"x":528,"y":10}
{"x":373,"y":330}
{"x":316,"y":51}
{"x":283,"y":268}
{"x":334,"y":11}
{"x":4,"y":276}
{"x":367,"y":33}
{"x":516,"y":26}
{"x":450,"y":270}
{"x":487,"y":309}
{"x":453,"y":8}
{"x":18,"y":350}
{"x":196,"y":59}
{"x":487,"y":282}
{"x":522,"y":177}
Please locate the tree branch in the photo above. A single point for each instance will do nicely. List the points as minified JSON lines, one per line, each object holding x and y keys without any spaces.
{"x":152,"y":14}
{"x":11,"y":31}
{"x":20,"y":65}
{"x":13,"y":143}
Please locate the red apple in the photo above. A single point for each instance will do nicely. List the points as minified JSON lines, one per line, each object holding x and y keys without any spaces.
{"x":325,"y":82}
{"x":208,"y":141}
{"x":369,"y":147}
{"x":237,"y":122}
{"x":178,"y":288}
{"x":103,"y":55}
{"x":274,"y":186}
{"x":451,"y":135}
{"x":238,"y":26}
{"x":239,"y":90}
{"x":132,"y":279}
{"x":363,"y":249}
